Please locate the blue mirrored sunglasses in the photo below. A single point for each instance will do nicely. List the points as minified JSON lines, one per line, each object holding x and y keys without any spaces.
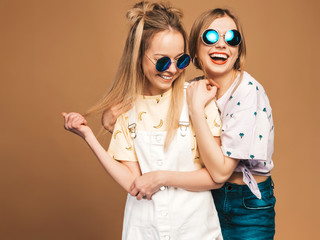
{"x":231,"y":37}
{"x":164,"y":63}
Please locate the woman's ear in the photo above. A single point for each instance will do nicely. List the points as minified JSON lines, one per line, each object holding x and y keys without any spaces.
{"x":196,"y":62}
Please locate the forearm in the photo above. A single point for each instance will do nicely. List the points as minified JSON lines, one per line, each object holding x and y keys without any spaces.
{"x":120,"y":172}
{"x":149,"y":183}
{"x":219,"y":166}
{"x":199,"y":180}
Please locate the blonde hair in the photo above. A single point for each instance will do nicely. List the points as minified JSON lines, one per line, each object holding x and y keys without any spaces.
{"x":146,"y":19}
{"x":202,"y":23}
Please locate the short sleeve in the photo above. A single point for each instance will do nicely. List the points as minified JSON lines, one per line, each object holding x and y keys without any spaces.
{"x":247,"y":129}
{"x":213,"y":118}
{"x":121,"y":144}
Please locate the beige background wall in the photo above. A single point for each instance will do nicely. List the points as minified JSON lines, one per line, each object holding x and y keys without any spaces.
{"x":62,"y":55}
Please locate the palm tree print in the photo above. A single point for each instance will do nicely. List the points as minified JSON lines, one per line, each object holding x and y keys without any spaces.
{"x":250,"y":83}
{"x":241,"y":135}
{"x":228,"y":153}
{"x":260,"y":136}
{"x":238,"y":103}
{"x":252,"y":156}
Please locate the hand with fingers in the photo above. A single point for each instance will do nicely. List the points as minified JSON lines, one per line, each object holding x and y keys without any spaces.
{"x":146,"y":185}
{"x":76,"y":123}
{"x":210,"y":83}
{"x":200,"y":93}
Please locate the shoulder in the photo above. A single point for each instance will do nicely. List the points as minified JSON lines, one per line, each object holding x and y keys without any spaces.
{"x":247,"y":86}
{"x":250,"y":85}
{"x":122,"y":120}
{"x":121,"y":131}
{"x":250,"y":91}
{"x":248,"y":80}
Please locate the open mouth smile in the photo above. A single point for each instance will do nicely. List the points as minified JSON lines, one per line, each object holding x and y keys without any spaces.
{"x":167,"y":78}
{"x":219,"y":58}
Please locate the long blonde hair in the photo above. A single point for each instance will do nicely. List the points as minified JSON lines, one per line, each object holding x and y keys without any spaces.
{"x":202,"y":23}
{"x":146,"y":19}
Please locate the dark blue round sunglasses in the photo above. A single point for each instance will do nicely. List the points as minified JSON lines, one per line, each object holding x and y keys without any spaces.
{"x":164,"y":63}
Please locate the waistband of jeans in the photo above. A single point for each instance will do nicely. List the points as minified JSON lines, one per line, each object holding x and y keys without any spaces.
{"x":236,"y":187}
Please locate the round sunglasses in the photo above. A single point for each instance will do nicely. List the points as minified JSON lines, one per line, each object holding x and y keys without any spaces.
{"x":232,"y":37}
{"x":164,"y":63}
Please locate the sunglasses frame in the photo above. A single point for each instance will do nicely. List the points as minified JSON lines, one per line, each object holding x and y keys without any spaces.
{"x":220,"y":35}
{"x":170,"y":62}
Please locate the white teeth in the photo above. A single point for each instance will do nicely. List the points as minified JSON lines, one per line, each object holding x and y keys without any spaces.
{"x":219,"y":55}
{"x":166,"y":77}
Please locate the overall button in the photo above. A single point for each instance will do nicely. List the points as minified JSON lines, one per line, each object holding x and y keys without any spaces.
{"x":164,"y":213}
{"x":229,"y":187}
{"x":158,"y":138}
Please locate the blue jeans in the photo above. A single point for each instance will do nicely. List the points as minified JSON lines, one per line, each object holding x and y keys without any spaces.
{"x":242,"y":215}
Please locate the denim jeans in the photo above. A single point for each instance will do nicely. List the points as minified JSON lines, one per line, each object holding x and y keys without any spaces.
{"x":242,"y":215}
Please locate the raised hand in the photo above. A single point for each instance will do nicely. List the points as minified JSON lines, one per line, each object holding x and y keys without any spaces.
{"x":76,"y":123}
{"x":200,"y":93}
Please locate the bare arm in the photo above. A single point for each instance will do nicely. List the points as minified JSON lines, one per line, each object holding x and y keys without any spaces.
{"x":149,"y":183}
{"x":123,"y":173}
{"x":199,"y":180}
{"x":219,"y":166}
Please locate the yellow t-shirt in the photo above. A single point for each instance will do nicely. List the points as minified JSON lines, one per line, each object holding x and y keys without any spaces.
{"x":151,"y":115}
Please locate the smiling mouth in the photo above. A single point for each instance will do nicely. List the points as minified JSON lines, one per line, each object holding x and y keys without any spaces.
{"x":167,"y":78}
{"x":219,"y":58}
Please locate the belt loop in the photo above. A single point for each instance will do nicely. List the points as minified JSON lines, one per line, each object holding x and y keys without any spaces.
{"x":243,"y":192}
{"x":272,"y":183}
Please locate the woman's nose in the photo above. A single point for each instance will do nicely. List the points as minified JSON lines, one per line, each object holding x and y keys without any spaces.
{"x":173,"y":67}
{"x":221,"y":43}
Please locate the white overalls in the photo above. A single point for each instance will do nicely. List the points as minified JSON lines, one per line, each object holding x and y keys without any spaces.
{"x":173,"y":213}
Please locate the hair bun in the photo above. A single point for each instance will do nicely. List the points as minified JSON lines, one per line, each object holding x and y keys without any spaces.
{"x":138,"y":11}
{"x":166,"y":7}
{"x":142,"y":8}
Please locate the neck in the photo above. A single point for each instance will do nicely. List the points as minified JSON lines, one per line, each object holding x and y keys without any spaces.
{"x":224,"y":81}
{"x":154,"y":92}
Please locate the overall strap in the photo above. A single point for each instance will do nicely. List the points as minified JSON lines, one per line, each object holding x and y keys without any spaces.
{"x":184,"y":117}
{"x":132,"y":121}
